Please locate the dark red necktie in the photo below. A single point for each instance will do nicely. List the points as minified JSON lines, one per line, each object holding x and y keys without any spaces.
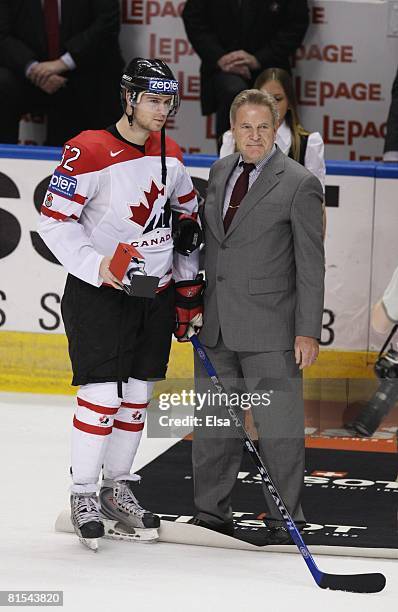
{"x":51,"y":20}
{"x":238,"y":193}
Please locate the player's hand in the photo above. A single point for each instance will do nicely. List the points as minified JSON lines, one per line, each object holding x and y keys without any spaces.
{"x":107,"y":275}
{"x":306,"y":351}
{"x":53,"y":83}
{"x":189,"y":308}
{"x":191,"y":327}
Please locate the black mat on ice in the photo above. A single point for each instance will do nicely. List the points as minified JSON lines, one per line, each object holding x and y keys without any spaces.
{"x":350,"y":497}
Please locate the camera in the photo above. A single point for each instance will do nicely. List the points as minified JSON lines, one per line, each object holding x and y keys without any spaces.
{"x":372,"y":414}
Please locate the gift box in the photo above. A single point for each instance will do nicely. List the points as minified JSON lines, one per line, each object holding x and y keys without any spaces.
{"x":122,"y":258}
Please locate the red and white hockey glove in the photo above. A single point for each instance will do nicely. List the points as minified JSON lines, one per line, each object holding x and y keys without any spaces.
{"x":189,"y":308}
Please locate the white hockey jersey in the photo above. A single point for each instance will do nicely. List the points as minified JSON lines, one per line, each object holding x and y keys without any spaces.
{"x":105,"y":191}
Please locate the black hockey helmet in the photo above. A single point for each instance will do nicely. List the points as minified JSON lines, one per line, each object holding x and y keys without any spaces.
{"x":149,"y":76}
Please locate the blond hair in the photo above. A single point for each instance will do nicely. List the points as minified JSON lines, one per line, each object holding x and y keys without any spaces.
{"x":292,"y":117}
{"x":254,"y":96}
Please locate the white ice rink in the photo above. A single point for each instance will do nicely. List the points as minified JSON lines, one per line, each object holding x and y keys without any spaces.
{"x":131,"y":577}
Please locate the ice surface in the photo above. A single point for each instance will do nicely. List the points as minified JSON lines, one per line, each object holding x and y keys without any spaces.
{"x":131,"y":577}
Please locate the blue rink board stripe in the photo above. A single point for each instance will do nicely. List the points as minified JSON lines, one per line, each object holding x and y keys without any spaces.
{"x":336,"y":168}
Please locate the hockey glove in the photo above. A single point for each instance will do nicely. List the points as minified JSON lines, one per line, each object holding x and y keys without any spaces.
{"x":187,"y":235}
{"x":189,"y":308}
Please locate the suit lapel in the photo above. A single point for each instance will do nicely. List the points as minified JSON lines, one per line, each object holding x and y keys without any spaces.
{"x":264,"y":183}
{"x":65,"y":18}
{"x":34,"y":16}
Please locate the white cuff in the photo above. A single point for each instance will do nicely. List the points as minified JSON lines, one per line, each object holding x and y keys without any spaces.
{"x":29,"y":67}
{"x":68,"y":60}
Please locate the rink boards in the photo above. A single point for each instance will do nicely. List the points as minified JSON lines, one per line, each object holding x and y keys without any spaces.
{"x":361,"y":254}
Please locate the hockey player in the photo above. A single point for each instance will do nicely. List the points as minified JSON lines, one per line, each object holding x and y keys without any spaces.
{"x":121,"y":184}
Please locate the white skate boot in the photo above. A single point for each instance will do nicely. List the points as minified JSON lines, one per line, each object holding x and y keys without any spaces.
{"x":124,"y":518}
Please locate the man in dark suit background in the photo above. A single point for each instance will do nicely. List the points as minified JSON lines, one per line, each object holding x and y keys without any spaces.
{"x":62,"y":58}
{"x":391,"y":141}
{"x":236,"y":40}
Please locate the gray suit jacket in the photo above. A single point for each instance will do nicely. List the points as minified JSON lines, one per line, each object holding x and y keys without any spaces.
{"x":266,"y":274}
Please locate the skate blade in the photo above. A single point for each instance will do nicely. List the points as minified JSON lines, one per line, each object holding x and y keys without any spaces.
{"x":114,"y":530}
{"x":90,"y":543}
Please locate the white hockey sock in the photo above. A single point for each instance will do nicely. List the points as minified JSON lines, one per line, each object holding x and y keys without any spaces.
{"x":97,"y":405}
{"x":127,"y":428}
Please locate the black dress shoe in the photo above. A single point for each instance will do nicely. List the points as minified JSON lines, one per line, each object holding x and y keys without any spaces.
{"x":224,"y":528}
{"x":279,"y":534}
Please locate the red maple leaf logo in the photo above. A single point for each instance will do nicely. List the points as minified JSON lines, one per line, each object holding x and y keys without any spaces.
{"x":142,"y":211}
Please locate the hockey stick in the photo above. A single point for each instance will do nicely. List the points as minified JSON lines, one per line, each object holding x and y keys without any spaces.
{"x":355,"y":583}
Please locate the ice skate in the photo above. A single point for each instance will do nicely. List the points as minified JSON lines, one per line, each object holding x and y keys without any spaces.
{"x":86,"y":519}
{"x":124,"y":517}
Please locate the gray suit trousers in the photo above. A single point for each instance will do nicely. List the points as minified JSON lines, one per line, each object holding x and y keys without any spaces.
{"x":217,"y":451}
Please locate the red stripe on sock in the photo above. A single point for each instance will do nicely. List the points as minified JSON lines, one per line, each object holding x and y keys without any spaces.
{"x":92,"y":429}
{"x":138,"y":406}
{"x":96,"y":408}
{"x":128,"y":426}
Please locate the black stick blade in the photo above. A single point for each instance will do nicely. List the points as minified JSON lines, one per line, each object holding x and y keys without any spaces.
{"x":355,"y":583}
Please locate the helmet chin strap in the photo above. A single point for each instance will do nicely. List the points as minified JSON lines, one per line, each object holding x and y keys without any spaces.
{"x":130,"y":119}
{"x":163,"y":154}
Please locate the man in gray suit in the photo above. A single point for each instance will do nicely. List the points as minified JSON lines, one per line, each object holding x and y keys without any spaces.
{"x":263,"y":309}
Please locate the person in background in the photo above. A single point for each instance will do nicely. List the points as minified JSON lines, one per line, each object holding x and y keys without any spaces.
{"x":385,"y":311}
{"x":52,"y":52}
{"x":391,"y":142}
{"x":304,"y":147}
{"x":236,"y":40}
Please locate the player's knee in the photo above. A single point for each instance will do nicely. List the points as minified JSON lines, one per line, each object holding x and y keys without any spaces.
{"x":102,"y":394}
{"x":137,"y":391}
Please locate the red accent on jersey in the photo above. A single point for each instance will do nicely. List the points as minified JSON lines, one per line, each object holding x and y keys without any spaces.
{"x":128,"y":426}
{"x":56,"y":215}
{"x":100,"y":149}
{"x":153,"y":146}
{"x":93,"y":429}
{"x":163,"y":287}
{"x":142,"y":211}
{"x":79,"y":199}
{"x":138,"y":406}
{"x":192,"y":216}
{"x":96,"y":408}
{"x":188,"y":197}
